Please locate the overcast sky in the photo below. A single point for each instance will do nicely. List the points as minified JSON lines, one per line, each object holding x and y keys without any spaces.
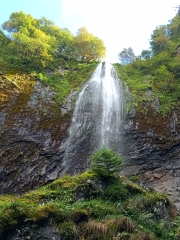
{"x":120,"y":23}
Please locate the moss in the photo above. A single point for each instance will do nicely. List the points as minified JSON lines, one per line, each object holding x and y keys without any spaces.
{"x":116,"y":191}
{"x":73,"y":78}
{"x":134,"y":178}
{"x":78,"y":218}
{"x":140,"y":83}
{"x":79,"y":215}
{"x":67,"y":230}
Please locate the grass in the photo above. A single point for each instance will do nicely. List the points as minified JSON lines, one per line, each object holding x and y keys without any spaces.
{"x":140,"y":83}
{"x":71,"y":77}
{"x":79,"y":207}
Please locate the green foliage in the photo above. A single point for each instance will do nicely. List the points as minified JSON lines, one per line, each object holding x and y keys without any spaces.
{"x":35,"y":44}
{"x":122,"y":209}
{"x":116,"y":191}
{"x":88,"y":47}
{"x":66,"y":230}
{"x":73,"y":75}
{"x":146,"y":54}
{"x":105,"y":161}
{"x":157,"y":70}
{"x":134,"y":178}
{"x":126,"y":56}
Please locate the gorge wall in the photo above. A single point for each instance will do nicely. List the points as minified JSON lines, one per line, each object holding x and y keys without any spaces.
{"x":34,"y":132}
{"x":152,"y":150}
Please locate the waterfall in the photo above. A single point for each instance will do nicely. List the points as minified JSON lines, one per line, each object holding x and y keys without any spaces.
{"x":97,"y":120}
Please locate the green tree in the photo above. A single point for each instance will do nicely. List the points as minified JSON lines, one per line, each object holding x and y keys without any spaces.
{"x":146,"y":54}
{"x":29,"y":43}
{"x":126,"y":56}
{"x":106,"y":161}
{"x":88,"y":47}
{"x":64,"y":39}
{"x":39,"y":43}
{"x":159,"y":39}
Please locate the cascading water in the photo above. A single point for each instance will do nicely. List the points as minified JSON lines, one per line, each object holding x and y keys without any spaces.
{"x":97,"y":120}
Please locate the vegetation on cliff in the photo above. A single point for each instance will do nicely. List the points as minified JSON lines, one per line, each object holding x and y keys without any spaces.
{"x":92,"y":206}
{"x":47,"y":53}
{"x":156,"y":72}
{"x":38,"y":43}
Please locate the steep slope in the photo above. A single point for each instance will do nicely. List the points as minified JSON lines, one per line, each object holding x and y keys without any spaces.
{"x":34,"y":125}
{"x":88,"y":206}
{"x":153,"y":133}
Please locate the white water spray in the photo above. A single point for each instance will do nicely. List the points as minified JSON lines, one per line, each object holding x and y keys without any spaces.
{"x":98,"y":117}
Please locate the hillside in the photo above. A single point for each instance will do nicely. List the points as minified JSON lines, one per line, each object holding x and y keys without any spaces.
{"x":153,"y":77}
{"x":42,"y":69}
{"x":88,"y":206}
{"x":152,"y":123}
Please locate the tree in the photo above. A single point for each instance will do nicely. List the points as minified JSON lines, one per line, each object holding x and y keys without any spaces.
{"x":64,"y":39}
{"x":105,"y":161}
{"x":40,"y":43}
{"x":29,"y":43}
{"x":146,"y":54}
{"x":88,"y":47}
{"x":126,"y":56}
{"x":159,"y":39}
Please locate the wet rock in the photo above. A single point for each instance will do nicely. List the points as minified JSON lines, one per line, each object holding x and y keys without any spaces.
{"x":43,"y":231}
{"x":32,"y":135}
{"x":69,"y":102}
{"x":156,"y":175}
{"x":151,"y":148}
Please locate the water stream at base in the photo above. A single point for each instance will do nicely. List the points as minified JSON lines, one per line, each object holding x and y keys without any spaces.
{"x":97,"y":120}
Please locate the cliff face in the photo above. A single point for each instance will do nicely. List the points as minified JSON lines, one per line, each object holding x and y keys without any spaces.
{"x":152,"y":149}
{"x":32,"y":131}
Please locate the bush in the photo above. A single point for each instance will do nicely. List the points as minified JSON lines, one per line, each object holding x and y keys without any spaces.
{"x":116,"y":191}
{"x":105,"y":161}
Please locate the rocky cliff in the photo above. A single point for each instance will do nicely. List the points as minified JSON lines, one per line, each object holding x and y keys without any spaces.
{"x":152,"y":149}
{"x":32,"y":132}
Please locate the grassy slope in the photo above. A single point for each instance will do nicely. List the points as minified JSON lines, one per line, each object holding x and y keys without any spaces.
{"x":122,"y":211}
{"x":72,"y":76}
{"x":146,"y":88}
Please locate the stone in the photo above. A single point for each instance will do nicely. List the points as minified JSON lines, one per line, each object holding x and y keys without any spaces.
{"x":151,"y":179}
{"x":156,"y":175}
{"x":32,"y":130}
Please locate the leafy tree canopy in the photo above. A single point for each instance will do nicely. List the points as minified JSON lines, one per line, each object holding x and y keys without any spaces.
{"x":126,"y":56}
{"x":157,"y":70}
{"x":88,"y":46}
{"x":39,"y":42}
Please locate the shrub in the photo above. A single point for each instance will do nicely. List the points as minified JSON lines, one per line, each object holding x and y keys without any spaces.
{"x":134,"y":178}
{"x":105,"y":161}
{"x":67,"y":231}
{"x":116,"y":191}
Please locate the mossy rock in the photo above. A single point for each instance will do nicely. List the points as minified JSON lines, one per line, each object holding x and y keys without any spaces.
{"x":79,"y":215}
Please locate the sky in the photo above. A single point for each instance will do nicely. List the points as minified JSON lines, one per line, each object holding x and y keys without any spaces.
{"x":119,"y":23}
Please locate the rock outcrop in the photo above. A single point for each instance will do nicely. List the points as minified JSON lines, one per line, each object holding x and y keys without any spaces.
{"x":152,"y":149}
{"x":33,"y":129}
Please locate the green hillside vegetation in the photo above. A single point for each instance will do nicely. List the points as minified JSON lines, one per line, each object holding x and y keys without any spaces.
{"x":92,"y":206}
{"x":48,"y":53}
{"x":157,"y":71}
